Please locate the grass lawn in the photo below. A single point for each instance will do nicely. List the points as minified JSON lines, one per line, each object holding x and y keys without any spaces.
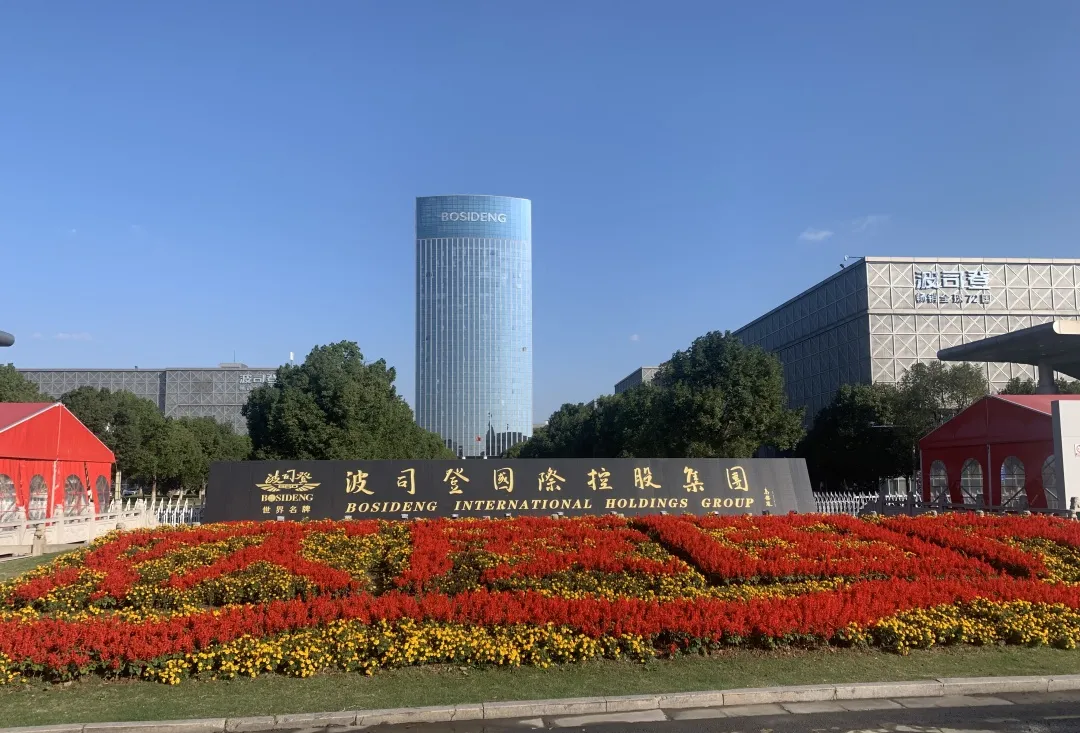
{"x":10,"y":568}
{"x":96,"y":701}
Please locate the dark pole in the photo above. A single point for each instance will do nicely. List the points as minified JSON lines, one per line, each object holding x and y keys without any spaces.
{"x":6,"y":339}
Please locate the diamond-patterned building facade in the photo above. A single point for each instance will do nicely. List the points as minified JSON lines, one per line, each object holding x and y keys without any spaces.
{"x":874,"y":319}
{"x":218,"y":392}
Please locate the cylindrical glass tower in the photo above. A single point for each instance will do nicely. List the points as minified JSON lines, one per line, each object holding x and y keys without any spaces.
{"x":474,"y":383}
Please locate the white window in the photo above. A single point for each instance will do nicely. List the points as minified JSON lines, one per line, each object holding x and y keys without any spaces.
{"x":1013,"y":495}
{"x":1054,"y":496}
{"x":971,"y":483}
{"x":939,"y":484}
{"x":9,"y":506}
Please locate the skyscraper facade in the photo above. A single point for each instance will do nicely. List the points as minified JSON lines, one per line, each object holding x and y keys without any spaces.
{"x":474,"y":378}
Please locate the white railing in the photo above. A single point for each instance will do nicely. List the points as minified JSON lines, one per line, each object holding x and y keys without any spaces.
{"x":842,"y":502}
{"x":171,"y":511}
{"x":17,"y":536}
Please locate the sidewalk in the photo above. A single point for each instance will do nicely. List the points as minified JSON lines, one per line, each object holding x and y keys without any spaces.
{"x":946,"y":692}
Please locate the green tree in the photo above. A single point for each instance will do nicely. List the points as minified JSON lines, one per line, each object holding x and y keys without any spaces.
{"x":933,"y":393}
{"x":132,"y":427}
{"x":566,"y":435}
{"x":725,"y":400}
{"x":212,"y":442}
{"x":152,"y":450}
{"x":177,"y":458}
{"x":336,"y":406}
{"x":870,"y":432}
{"x":14,"y":387}
{"x":96,"y":409}
{"x":1027,"y":385}
{"x":854,"y":440}
{"x":719,"y":398}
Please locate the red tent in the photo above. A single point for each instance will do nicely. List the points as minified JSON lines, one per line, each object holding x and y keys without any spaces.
{"x":50,"y":461}
{"x":1007,"y":439}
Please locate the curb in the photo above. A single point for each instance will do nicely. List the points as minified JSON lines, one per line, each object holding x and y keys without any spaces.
{"x":943,"y":687}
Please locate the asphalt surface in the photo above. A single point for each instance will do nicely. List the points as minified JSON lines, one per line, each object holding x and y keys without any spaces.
{"x":1056,"y":712}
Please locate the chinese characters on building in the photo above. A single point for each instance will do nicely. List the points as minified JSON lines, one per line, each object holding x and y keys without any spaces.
{"x":250,"y":381}
{"x":972,"y":286}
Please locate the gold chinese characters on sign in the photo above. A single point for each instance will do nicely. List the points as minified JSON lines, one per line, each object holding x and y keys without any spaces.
{"x":600,"y":480}
{"x":454,"y":477}
{"x":294,"y":509}
{"x":549,"y":480}
{"x":291,"y":485}
{"x":356,"y":483}
{"x":407,"y":480}
{"x":693,"y":482}
{"x":643,"y":478}
{"x":736,"y":479}
{"x":503,"y":478}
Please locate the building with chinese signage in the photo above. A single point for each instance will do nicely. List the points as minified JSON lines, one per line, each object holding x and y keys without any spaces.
{"x":474,"y":377}
{"x":217,"y":392}
{"x":875,"y":318}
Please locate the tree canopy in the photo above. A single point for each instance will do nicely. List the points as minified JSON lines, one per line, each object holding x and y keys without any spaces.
{"x":152,"y":450}
{"x":1027,"y":385}
{"x":14,"y":387}
{"x":933,"y":393}
{"x":858,"y":438}
{"x":336,"y":406}
{"x":719,"y":398}
{"x":872,"y":431}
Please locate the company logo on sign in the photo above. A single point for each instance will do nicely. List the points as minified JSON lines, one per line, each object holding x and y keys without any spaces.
{"x":1076,"y":450}
{"x":929,"y":283}
{"x":472,"y":216}
{"x":291,"y":480}
{"x":948,"y":279}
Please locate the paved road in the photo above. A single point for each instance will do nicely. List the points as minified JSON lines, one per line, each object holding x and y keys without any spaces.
{"x":1057,"y":712}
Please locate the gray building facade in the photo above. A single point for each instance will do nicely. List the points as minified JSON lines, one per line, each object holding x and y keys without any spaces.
{"x":641,"y":375}
{"x":217,"y":392}
{"x":474,"y":362}
{"x":872,"y":320}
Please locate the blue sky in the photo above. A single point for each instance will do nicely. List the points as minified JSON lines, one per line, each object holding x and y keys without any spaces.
{"x":182,"y":181}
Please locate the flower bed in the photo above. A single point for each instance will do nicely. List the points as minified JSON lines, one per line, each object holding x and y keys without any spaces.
{"x":247,"y":598}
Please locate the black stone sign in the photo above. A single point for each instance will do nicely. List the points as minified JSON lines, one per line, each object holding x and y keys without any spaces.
{"x":293,"y":490}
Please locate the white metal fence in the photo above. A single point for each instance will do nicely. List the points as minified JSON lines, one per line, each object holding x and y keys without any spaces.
{"x":171,"y":511}
{"x":840,"y":502}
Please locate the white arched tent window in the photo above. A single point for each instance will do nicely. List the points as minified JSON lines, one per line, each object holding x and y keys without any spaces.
{"x":939,"y":484}
{"x":9,"y":505}
{"x":74,"y":496}
{"x":39,"y":498}
{"x":971,"y":483}
{"x":1013,"y":478}
{"x":1055,"y":498}
{"x":103,"y":492}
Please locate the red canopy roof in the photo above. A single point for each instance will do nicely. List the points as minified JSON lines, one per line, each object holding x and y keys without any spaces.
{"x":1041,"y":402}
{"x":999,"y":419}
{"x":47,"y":431}
{"x":12,"y":413}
